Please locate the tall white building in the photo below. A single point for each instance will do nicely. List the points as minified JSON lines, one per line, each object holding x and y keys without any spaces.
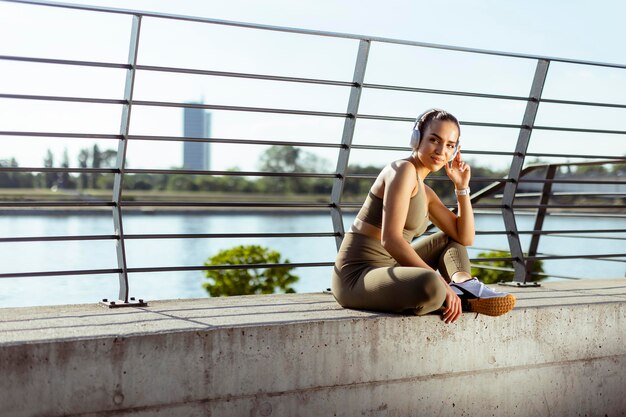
{"x":196,"y":124}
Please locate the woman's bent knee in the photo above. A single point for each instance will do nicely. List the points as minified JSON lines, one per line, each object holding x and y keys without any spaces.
{"x":434,"y":290}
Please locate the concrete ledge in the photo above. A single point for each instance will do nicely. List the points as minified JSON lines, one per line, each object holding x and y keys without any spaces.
{"x":560,"y":352}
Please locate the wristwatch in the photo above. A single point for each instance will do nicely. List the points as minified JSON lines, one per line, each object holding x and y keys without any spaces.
{"x":464,"y":191}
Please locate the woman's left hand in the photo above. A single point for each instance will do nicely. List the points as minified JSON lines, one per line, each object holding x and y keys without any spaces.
{"x":459,"y":172}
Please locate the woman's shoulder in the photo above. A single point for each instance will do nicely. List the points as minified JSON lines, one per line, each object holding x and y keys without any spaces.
{"x":400,"y":166}
{"x":400,"y":169}
{"x":400,"y":173}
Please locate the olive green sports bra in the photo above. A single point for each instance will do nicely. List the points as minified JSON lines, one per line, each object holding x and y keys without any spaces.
{"x":416,"y":219}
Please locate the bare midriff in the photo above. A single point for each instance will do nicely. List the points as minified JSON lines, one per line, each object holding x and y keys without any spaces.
{"x":359,"y":226}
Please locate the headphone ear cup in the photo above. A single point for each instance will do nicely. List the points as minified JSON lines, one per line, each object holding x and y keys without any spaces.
{"x":415,"y":138}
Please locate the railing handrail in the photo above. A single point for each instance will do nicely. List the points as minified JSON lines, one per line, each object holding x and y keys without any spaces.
{"x":287,"y":29}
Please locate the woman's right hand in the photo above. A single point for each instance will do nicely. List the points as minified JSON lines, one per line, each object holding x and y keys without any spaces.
{"x":451,"y":306}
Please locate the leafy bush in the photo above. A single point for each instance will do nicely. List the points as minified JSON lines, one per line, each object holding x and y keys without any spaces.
{"x":226,"y":282}
{"x":491,"y":276}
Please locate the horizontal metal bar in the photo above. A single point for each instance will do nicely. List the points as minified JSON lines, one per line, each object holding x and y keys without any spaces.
{"x":569,"y":206}
{"x":283,"y":235}
{"x":226,"y":235}
{"x":587,"y":237}
{"x":64,"y":62}
{"x":162,"y":269}
{"x":63,"y":98}
{"x":573,"y":194}
{"x":559,"y":257}
{"x":46,"y":169}
{"x":570,"y":181}
{"x":566,"y":231}
{"x":235,"y":141}
{"x":60,"y":273}
{"x":493,"y":259}
{"x":518,"y":206}
{"x":491,"y":232}
{"x":285,"y":143}
{"x":222,"y":267}
{"x":312,"y":32}
{"x":64,"y":203}
{"x":61,"y":135}
{"x":174,"y":104}
{"x":244,"y":75}
{"x":240,"y":204}
{"x":551,"y":232}
{"x":442,"y":92}
{"x":56,"y":238}
{"x":231,"y":173}
{"x":480,"y":206}
{"x":450,"y":206}
{"x":407,"y":148}
{"x":583,"y":103}
{"x":441,"y":178}
{"x":580,"y":130}
{"x":621,"y":159}
{"x":412,"y":120}
{"x":238,"y":108}
{"x":380,"y":148}
{"x":561,"y":155}
{"x":500,"y":153}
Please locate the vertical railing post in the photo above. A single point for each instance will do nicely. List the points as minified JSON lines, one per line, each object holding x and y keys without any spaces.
{"x":539,"y":218}
{"x":118,"y":224}
{"x":517,"y":164}
{"x":346,"y":139}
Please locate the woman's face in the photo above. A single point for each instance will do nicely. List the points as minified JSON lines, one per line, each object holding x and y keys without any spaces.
{"x":438,"y":144}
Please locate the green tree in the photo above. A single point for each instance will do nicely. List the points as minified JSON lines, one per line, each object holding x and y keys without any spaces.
{"x":108,"y":158}
{"x":618,"y":169}
{"x":492,"y":276}
{"x":181,"y":182}
{"x":83,"y":178}
{"x":12,"y":179}
{"x":592,"y":170}
{"x":96,"y":162}
{"x":64,"y":179}
{"x":289,"y":159}
{"x":48,"y":162}
{"x":359,"y":186}
{"x":226,"y":282}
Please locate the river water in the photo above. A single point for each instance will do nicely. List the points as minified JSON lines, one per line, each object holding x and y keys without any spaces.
{"x":51,"y":256}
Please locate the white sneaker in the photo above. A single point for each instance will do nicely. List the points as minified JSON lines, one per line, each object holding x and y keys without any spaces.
{"x":479,"y":298}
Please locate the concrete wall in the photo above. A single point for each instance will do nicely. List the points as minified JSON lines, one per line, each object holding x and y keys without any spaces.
{"x":315,"y":359}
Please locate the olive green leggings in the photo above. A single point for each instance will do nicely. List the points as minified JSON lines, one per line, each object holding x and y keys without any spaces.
{"x":366,"y":277}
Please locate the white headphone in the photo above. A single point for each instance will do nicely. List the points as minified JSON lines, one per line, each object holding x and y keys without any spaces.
{"x":417,"y":135}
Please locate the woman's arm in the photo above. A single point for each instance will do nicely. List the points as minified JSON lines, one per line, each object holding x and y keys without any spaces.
{"x":459,"y":227}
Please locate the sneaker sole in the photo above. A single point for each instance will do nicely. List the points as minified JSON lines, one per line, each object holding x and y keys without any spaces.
{"x":496,"y":306}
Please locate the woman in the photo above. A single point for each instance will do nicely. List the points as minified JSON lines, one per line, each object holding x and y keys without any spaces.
{"x":377,"y":266}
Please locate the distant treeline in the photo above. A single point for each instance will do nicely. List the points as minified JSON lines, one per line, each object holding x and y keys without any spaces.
{"x":286,"y":159}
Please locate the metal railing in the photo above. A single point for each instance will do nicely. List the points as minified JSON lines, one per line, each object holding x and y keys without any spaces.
{"x":508,"y":186}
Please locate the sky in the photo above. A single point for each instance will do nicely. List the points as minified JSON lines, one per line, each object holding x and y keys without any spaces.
{"x":582,"y":30}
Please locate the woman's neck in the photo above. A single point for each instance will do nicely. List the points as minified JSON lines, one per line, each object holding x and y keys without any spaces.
{"x":421,"y":171}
